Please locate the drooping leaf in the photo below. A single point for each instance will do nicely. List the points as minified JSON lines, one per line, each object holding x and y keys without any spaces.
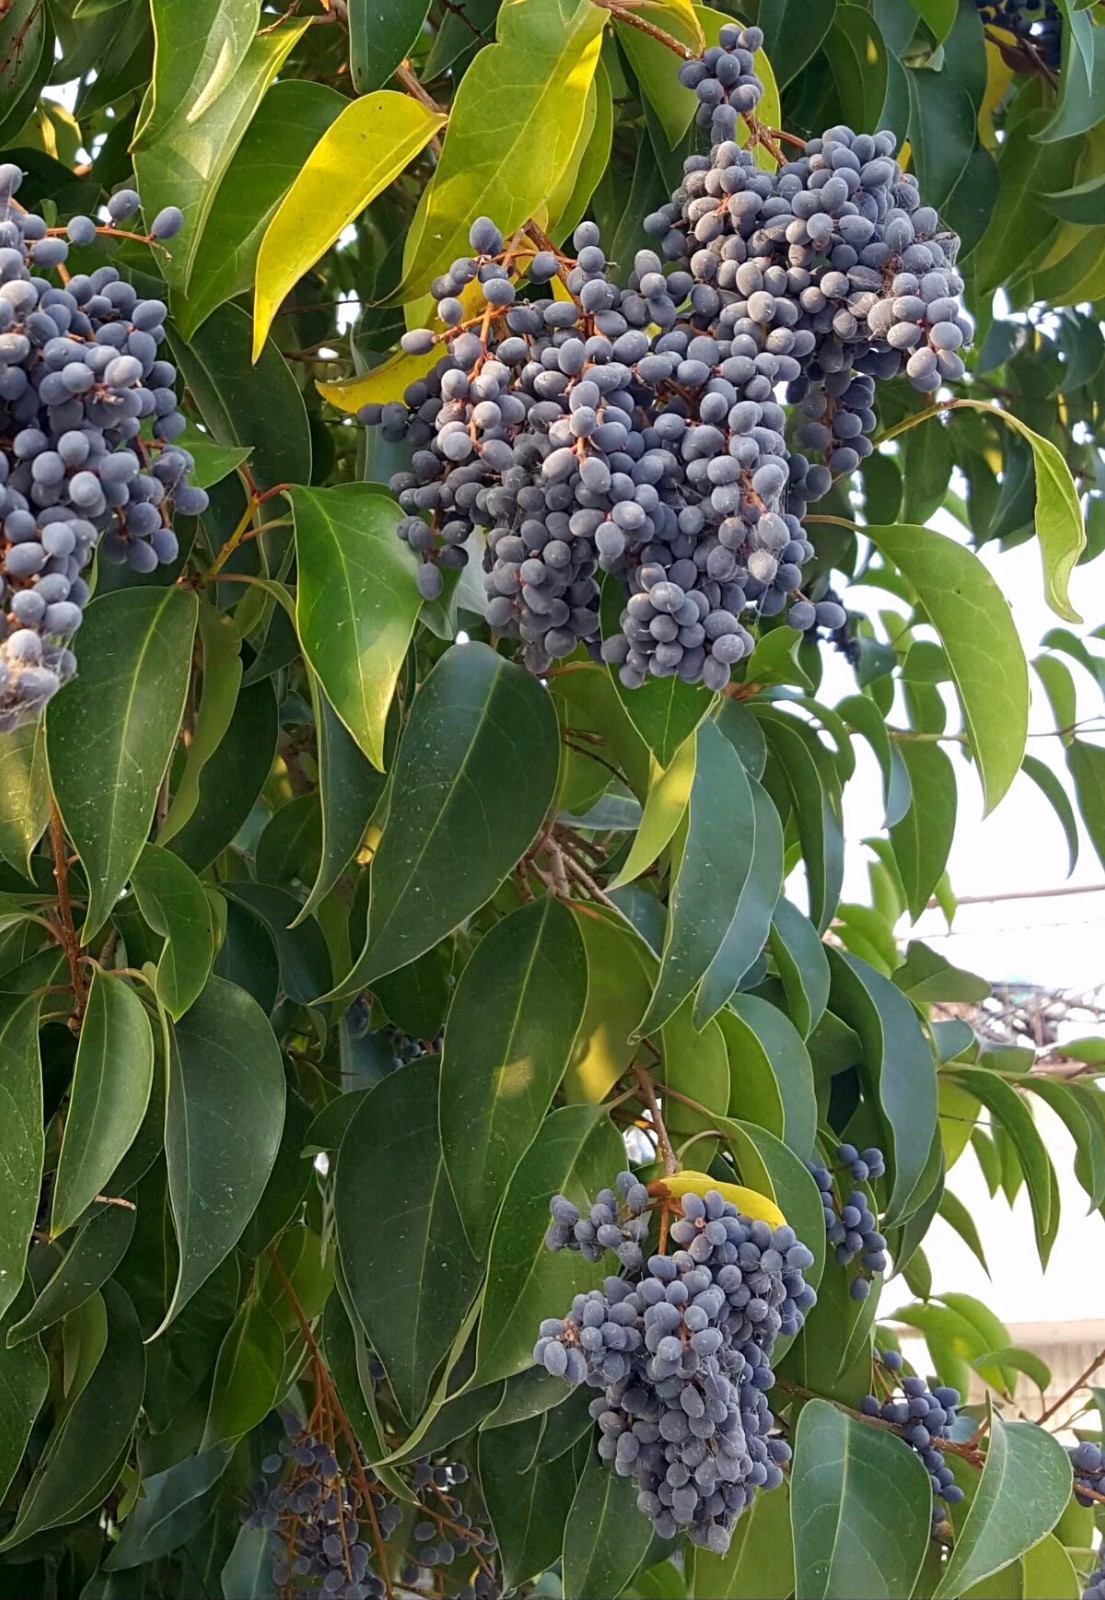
{"x":21,"y":1138}
{"x":96,"y":1250}
{"x":170,"y":1510}
{"x":1086,"y":765}
{"x":790,"y":35}
{"x":356,"y":601}
{"x":422,"y":1254}
{"x":112,"y":1079}
{"x":528,"y":1505}
{"x":802,"y":963}
{"x":750,"y":928}
{"x":24,"y":1379}
{"x":813,"y":788}
{"x":174,"y":903}
{"x":368,"y":145}
{"x":231,"y":780}
{"x":983,"y":648}
{"x":111,"y":731}
{"x":1024,"y":1487}
{"x":24,"y":794}
{"x":620,"y":974}
{"x":669,"y":791}
{"x":247,"y":1377}
{"x":761,"y":1028}
{"x":218,"y":696}
{"x":508,"y":1039}
{"x":223,"y":1124}
{"x":1010,"y":1111}
{"x":480,"y":728}
{"x":859,"y":1507}
{"x":863,"y":714}
{"x":922,"y":839}
{"x":605,"y":1536}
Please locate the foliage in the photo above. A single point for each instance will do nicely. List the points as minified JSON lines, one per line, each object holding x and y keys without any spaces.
{"x":335,"y":944}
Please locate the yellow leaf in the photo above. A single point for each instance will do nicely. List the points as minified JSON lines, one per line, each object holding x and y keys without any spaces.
{"x":381,"y":384}
{"x":357,"y":157}
{"x":999,"y":75}
{"x":747,"y":1201}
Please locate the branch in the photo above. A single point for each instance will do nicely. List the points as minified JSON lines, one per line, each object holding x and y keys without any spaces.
{"x":648,"y":1095}
{"x":1078,"y":1383}
{"x":968,"y":1450}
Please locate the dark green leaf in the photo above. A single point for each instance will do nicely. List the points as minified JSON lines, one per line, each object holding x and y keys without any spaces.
{"x":528,"y":1506}
{"x":941,"y":131}
{"x":1011,"y":1113}
{"x":169,"y":1511}
{"x":1048,"y":783}
{"x":112,"y":1079}
{"x":96,"y":1251}
{"x":24,"y":794}
{"x":605,"y":1536}
{"x":381,"y":34}
{"x":922,"y":840}
{"x":1082,"y":99}
{"x":349,"y":790}
{"x":304,"y":959}
{"x":480,"y":729}
{"x":218,"y":698}
{"x":111,"y":731}
{"x":231,"y":781}
{"x":247,"y":1574}
{"x":356,"y":601}
{"x":762,"y":1028}
{"x":222,"y":1129}
{"x":859,"y":1506}
{"x":422,"y":1254}
{"x":174,"y":903}
{"x":792,"y":34}
{"x":576,"y":1152}
{"x":802,"y":964}
{"x":751,"y":925}
{"x":898,"y":1067}
{"x":247,"y":1375}
{"x":1086,"y":765}
{"x":24,"y":1379}
{"x":508,"y":1040}
{"x":21,"y":1138}
{"x":814,"y":792}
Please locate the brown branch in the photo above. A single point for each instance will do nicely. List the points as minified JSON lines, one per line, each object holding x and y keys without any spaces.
{"x":1078,"y":1383}
{"x":968,"y":1450}
{"x":648,"y":1095}
{"x":405,"y":75}
{"x":620,"y":13}
{"x":67,"y":934}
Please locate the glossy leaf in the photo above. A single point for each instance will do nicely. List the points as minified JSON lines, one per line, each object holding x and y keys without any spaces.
{"x":170,"y":1510}
{"x":173,"y":902}
{"x":537,"y":75}
{"x":814,"y":793}
{"x":860,"y":1508}
{"x":480,"y":728}
{"x":24,"y":1379}
{"x":1086,"y":765}
{"x":605,"y":1536}
{"x":231,"y":780}
{"x":112,"y":1080}
{"x":984,"y":651}
{"x":748,"y":932}
{"x":194,"y":63}
{"x":96,"y":1250}
{"x":620,"y":975}
{"x":24,"y":794}
{"x":356,"y":602}
{"x":760,"y":1558}
{"x":381,"y":34}
{"x":898,"y":1065}
{"x":111,"y":731}
{"x":665,"y":712}
{"x":922,"y":839}
{"x":508,"y":1040}
{"x":802,"y":964}
{"x":576,"y":1152}
{"x":422,"y":1254}
{"x":21,"y":1138}
{"x":246,"y":1384}
{"x":223,"y":1123}
{"x":528,"y":1505}
{"x":1010,"y":1111}
{"x":789,"y":38}
{"x":349,"y":789}
{"x":368,"y":145}
{"x":669,"y":792}
{"x":754,"y":1027}
{"x":1024,"y":1487}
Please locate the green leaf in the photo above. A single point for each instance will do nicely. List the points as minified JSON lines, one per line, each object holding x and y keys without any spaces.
{"x":760,"y":1558}
{"x":984,"y":651}
{"x":1082,"y":99}
{"x":937,"y":15}
{"x":1024,"y":1487}
{"x":696,"y":1064}
{"x":864,"y":716}
{"x":1026,"y":1361}
{"x":1048,"y":784}
{"x":111,"y":731}
{"x":304,"y":959}
{"x":811,"y":784}
{"x":82,"y":1457}
{"x":756,"y":1027}
{"x":422,"y":1254}
{"x":21,"y":1138}
{"x":942,"y":131}
{"x":182,"y":157}
{"x":368,"y":145}
{"x":528,"y":1505}
{"x":170,"y":1510}
{"x":1084,"y":203}
{"x":247,"y":1574}
{"x":922,"y":840}
{"x":782,"y":1174}
{"x":1012,"y":1114}
{"x":594,"y":158}
{"x":24,"y":794}
{"x":1059,"y":689}
{"x":792,"y":35}
{"x":288,"y":850}
{"x":576,"y":1152}
{"x":856,"y":52}
{"x":349,"y":791}
{"x":174,"y":903}
{"x":751,"y":925}
{"x":508,"y":1039}
{"x":898,"y":1068}
{"x":223,"y":1124}
{"x":261,"y":406}
{"x":925,"y":975}
{"x":381,"y":34}
{"x":957,"y":1216}
{"x":669,"y":791}
{"x":246,"y":1384}
{"x":860,"y":1504}
{"x":665,"y":712}
{"x":356,"y":601}
{"x":112,"y":1079}
{"x":218,"y":695}
{"x":193,"y":64}
{"x":24,"y":1380}
{"x":537,"y":76}
{"x":605,"y":1536}
{"x":1086,"y":765}
{"x":621,"y":971}
{"x":287,"y":125}
{"x":97,"y":1249}
{"x":231,"y":780}
{"x":713,"y":868}
{"x":480,"y":728}
{"x":802,"y":965}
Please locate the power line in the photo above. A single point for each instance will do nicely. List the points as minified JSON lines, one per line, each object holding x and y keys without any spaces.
{"x":1021,"y":894}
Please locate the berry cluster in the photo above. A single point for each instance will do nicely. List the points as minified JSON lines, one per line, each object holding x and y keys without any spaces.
{"x":602,"y":1229}
{"x":330,"y":1542}
{"x":640,"y":431}
{"x":88,"y":416}
{"x":922,"y":1416}
{"x":1095,"y":1585}
{"x":681,"y":1348}
{"x":1037,"y":24}
{"x":852,"y":1227}
{"x":1088,"y":1462}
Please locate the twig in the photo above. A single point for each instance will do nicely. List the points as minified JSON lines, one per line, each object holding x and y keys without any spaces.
{"x":968,"y":1450}
{"x":1057,"y":1405}
{"x":405,"y":75}
{"x":648,"y":1095}
{"x":68,"y":937}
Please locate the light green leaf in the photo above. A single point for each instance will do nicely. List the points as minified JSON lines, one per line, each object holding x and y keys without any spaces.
{"x":356,"y":601}
{"x":480,"y":728}
{"x":938,"y":15}
{"x":594,"y":160}
{"x":536,"y":76}
{"x":112,"y":1080}
{"x":367,"y":146}
{"x":860,"y":1509}
{"x":508,"y":1039}
{"x":1086,"y":765}
{"x":1048,"y":784}
{"x":605,"y":1536}
{"x":864,"y":716}
{"x":984,"y":651}
{"x":760,"y":1558}
{"x":1024,"y":1487}
{"x":669,"y":792}
{"x":111,"y":731}
{"x":1010,"y":1111}
{"x":958,"y":1216}
{"x":21,"y":1138}
{"x":24,"y":794}
{"x":195,"y":57}
{"x":175,"y":904}
{"x":621,"y":971}
{"x":223,"y":1122}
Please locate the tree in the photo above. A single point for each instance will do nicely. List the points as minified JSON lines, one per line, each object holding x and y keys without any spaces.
{"x":402,"y":1017}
